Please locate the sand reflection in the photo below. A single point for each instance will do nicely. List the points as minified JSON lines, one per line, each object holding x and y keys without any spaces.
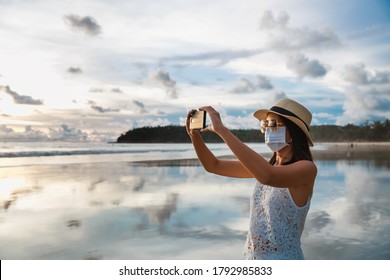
{"x":174,"y":210}
{"x":350,"y":217}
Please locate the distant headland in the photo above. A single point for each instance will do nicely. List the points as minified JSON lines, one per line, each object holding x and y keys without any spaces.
{"x":378,"y":131}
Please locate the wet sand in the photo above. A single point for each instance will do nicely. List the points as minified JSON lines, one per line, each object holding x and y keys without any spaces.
{"x":352,"y":151}
{"x":322,"y":151}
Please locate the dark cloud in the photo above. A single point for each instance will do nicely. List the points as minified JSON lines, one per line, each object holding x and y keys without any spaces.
{"x":86,"y":24}
{"x":116,"y":90}
{"x":140,"y":106}
{"x":305,"y":67}
{"x":358,"y":75}
{"x":282,"y":37}
{"x":246,"y":86}
{"x":263,"y":82}
{"x":21,"y":99}
{"x":101,"y":109}
{"x":75,"y":70}
{"x":161,"y":78}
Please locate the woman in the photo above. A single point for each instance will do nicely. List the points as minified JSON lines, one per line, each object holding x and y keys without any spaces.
{"x":281,"y":197}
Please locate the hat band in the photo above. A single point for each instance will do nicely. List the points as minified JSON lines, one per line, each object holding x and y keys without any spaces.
{"x":288,"y":113}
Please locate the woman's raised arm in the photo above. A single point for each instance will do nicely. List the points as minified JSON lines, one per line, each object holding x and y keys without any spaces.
{"x":229,"y":168}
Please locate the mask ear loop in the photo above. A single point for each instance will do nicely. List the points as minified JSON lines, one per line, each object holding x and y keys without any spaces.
{"x":289,"y":141}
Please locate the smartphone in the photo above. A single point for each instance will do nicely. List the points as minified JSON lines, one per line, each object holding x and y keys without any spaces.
{"x":198,"y":120}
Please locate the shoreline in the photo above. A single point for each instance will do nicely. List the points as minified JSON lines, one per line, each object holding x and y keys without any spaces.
{"x":321,"y":151}
{"x":326,"y":151}
{"x":352,"y":151}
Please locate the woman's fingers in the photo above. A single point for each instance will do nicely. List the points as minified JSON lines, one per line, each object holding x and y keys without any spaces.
{"x":214,"y":116}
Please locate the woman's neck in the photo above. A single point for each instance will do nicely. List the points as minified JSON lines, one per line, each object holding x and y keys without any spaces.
{"x":284,"y":155}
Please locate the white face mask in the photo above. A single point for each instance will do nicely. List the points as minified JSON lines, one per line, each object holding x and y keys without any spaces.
{"x":276,"y":140}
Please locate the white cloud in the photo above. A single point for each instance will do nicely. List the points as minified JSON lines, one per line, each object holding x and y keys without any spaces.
{"x":358,"y":75}
{"x":367,"y":94}
{"x":282,"y":37}
{"x":62,"y":133}
{"x":365,"y":103}
{"x":66,"y":133}
{"x":162,"y":78}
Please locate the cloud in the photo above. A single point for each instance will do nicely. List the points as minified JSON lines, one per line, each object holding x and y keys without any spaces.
{"x":96,"y":89}
{"x":268,"y":21}
{"x":246,"y":86}
{"x":28,"y":134}
{"x":367,"y":96}
{"x":161,"y":78}
{"x":282,"y":37}
{"x":116,"y":90}
{"x":64,"y":132}
{"x":263,"y":82}
{"x":366,"y":103}
{"x":86,"y":24}
{"x":101,"y":109}
{"x":358,"y":75}
{"x":140,"y":106}
{"x":102,"y":89}
{"x":75,"y":70}
{"x":67,"y":133}
{"x":305,"y":67}
{"x":21,"y":99}
{"x":222,"y":56}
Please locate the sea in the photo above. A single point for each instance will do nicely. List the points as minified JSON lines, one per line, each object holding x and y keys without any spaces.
{"x":24,"y":153}
{"x":74,"y":201}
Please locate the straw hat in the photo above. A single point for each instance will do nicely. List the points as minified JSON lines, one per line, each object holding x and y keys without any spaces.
{"x":291,"y":110}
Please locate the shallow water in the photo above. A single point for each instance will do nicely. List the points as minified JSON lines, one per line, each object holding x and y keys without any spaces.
{"x":94,"y":209}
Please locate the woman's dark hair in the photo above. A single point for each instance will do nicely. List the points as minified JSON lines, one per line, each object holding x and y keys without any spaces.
{"x":300,"y":145}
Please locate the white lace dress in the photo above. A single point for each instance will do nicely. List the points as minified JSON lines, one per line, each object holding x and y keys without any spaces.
{"x":276,"y":225}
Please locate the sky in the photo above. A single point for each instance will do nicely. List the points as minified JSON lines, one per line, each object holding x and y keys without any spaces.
{"x":92,"y":70}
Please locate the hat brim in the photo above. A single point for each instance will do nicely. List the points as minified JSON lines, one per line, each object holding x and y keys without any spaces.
{"x":262,"y":115}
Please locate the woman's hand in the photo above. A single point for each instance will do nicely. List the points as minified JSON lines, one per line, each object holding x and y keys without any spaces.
{"x":215,"y":126}
{"x":216,"y":123}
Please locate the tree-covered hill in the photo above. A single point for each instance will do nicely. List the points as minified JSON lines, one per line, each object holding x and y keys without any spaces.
{"x":369,"y":132}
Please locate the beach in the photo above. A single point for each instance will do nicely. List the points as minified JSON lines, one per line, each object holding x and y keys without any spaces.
{"x":156,"y":202}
